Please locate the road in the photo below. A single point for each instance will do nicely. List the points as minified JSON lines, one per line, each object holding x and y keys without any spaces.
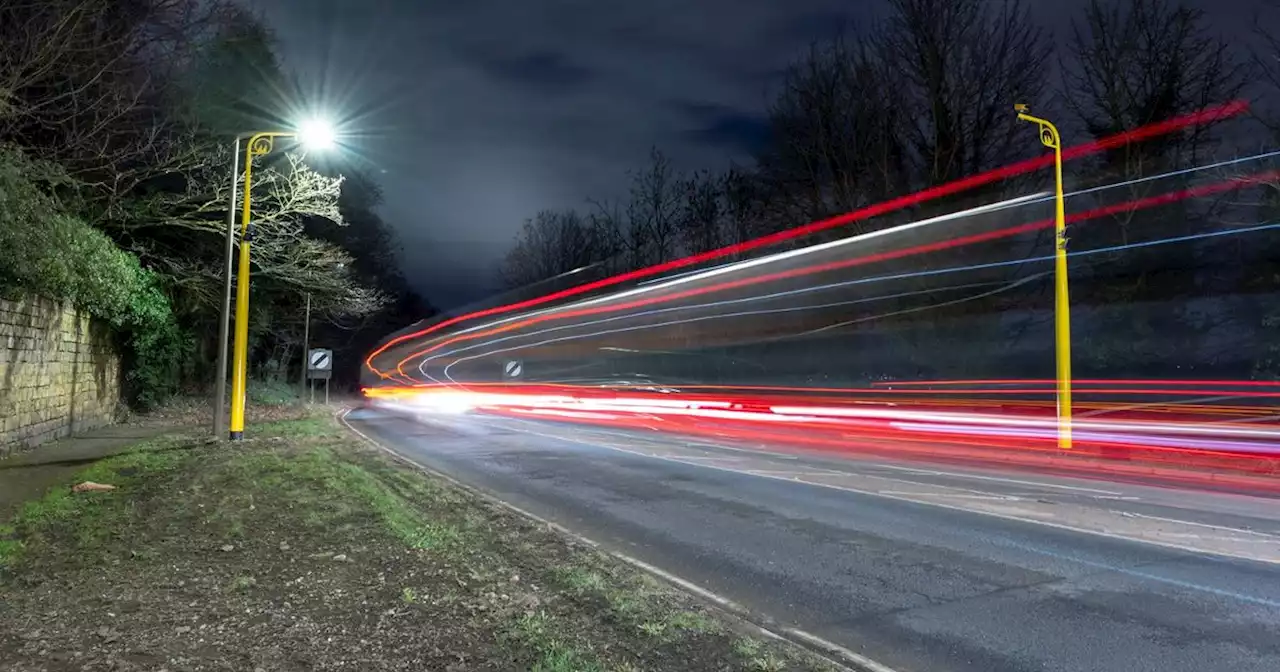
{"x":918,"y":567}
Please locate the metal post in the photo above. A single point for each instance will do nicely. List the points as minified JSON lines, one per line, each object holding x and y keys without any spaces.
{"x":220,"y":386}
{"x":258,"y":145}
{"x":1049,"y":137}
{"x":326,"y":391}
{"x":306,"y":347}
{"x":1062,"y":308}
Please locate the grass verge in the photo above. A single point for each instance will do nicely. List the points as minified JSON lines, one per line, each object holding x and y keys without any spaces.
{"x":306,"y":549}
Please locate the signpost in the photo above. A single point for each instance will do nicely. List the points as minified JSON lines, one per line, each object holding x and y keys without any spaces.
{"x":513,"y":369}
{"x":319,"y":367}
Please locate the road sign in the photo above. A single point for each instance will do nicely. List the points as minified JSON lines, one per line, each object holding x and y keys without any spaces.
{"x":513,"y":369}
{"x":320,"y":363}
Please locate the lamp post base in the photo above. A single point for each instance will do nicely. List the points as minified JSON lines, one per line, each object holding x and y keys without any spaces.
{"x":237,"y":436}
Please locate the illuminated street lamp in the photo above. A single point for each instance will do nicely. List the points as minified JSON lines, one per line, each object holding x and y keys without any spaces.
{"x":316,"y":134}
{"x":1061,"y":305}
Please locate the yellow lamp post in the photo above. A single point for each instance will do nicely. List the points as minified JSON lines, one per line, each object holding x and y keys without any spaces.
{"x":313,"y":134}
{"x":1050,"y":138}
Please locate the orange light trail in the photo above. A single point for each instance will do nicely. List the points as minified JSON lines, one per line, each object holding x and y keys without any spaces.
{"x":1205,"y":116}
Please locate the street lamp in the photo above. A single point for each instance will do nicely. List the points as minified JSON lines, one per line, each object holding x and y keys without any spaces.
{"x":315,"y":134}
{"x":1061,"y":305}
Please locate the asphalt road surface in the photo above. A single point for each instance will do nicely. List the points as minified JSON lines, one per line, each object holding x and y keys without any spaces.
{"x":921,"y":568}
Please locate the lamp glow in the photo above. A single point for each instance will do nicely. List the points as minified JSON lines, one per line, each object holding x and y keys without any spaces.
{"x":317,"y":134}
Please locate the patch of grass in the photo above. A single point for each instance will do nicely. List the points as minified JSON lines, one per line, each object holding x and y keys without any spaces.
{"x":636,"y":601}
{"x":10,"y":546}
{"x":396,"y":513}
{"x":90,"y":520}
{"x":653,"y":628}
{"x":336,"y":491}
{"x":691,"y":621}
{"x":756,"y":658}
{"x":534,"y":631}
{"x":583,"y":581}
{"x":243,"y":583}
{"x":316,"y":425}
{"x":747,"y":647}
{"x":767,"y":662}
{"x":408,"y":596}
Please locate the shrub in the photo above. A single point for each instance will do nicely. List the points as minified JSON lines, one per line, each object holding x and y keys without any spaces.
{"x":49,"y":252}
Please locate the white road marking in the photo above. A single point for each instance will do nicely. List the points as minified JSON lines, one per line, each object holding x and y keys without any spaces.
{"x":925,"y":484}
{"x":930,"y":472}
{"x":856,"y":658}
{"x":1194,"y":524}
{"x":784,"y":472}
{"x":904,"y":493}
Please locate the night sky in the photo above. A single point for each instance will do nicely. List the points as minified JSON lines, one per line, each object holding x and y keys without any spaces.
{"x":475,"y":114}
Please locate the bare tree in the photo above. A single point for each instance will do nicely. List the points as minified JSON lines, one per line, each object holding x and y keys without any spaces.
{"x":179,"y":230}
{"x":620,"y":248}
{"x":1267,"y":61}
{"x":1136,"y":62}
{"x":922,"y":98}
{"x":835,"y":146}
{"x":550,"y":244}
{"x":953,"y":68}
{"x":646,"y":227}
{"x":86,"y":81}
{"x":1133,"y":63}
{"x":742,"y":205}
{"x":703,"y":213}
{"x":653,"y":211}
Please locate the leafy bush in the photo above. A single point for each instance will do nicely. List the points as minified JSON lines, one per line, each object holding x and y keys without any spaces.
{"x":49,"y":252}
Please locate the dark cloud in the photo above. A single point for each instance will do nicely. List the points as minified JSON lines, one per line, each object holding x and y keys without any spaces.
{"x":822,"y":24}
{"x":734,"y":131}
{"x":477,"y":114}
{"x":546,"y":70}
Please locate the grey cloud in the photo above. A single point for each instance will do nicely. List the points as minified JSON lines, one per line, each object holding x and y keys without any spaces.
{"x":720,"y":126}
{"x":547,"y":70}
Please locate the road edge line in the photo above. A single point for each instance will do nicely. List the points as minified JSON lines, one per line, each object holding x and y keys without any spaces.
{"x":812,"y":644}
{"x":835,"y":649}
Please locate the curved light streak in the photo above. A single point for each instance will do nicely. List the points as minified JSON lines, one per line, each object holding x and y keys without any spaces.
{"x":1204,"y":116}
{"x":1116,"y":248}
{"x":1127,"y":207}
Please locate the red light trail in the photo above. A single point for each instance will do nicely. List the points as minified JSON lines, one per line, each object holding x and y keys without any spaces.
{"x":1130,"y":206}
{"x":1205,"y":116}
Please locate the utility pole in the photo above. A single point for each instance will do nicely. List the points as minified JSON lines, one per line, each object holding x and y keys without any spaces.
{"x":306,"y":349}
{"x":220,"y":385}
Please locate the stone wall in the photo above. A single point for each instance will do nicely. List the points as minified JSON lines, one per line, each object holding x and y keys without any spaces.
{"x":59,"y":372}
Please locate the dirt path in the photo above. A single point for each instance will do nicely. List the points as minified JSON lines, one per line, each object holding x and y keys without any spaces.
{"x":306,"y":550}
